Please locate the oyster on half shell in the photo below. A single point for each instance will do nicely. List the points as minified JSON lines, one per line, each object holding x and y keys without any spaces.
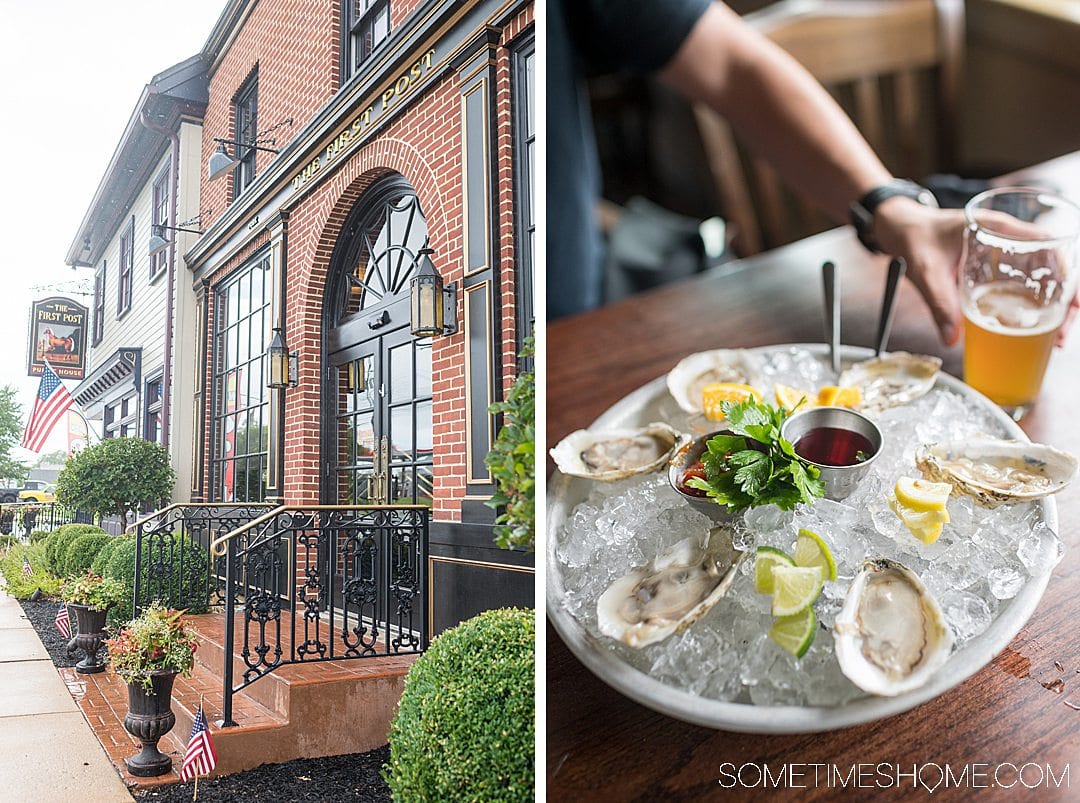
{"x":670,"y":592}
{"x":997,"y":471}
{"x":615,"y":454}
{"x":891,"y":635}
{"x":892,"y":380}
{"x":689,"y":377}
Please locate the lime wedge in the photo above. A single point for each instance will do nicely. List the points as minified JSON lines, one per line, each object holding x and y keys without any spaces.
{"x":794,"y":588}
{"x":922,"y":495}
{"x":811,"y":550}
{"x":767,"y":557}
{"x":795,"y":633}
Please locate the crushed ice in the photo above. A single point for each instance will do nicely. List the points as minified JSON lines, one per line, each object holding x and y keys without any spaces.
{"x":979,"y":564}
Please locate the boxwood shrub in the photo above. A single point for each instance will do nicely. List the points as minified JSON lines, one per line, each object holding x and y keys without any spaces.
{"x":101,"y":559}
{"x":188,"y":572}
{"x":464,"y":727}
{"x":38,"y":536}
{"x":80,"y":553}
{"x":56,"y":544}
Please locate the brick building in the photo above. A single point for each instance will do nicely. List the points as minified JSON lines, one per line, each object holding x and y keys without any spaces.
{"x":383,"y":127}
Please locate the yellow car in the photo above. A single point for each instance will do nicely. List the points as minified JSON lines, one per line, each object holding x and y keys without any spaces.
{"x":45,"y":492}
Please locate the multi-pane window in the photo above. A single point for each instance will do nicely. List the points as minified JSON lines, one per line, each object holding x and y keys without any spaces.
{"x":152,"y":404}
{"x":367,"y":25}
{"x":120,"y":420}
{"x":240,"y":410}
{"x":523,"y":99}
{"x":127,"y":260}
{"x":159,"y":215}
{"x":245,"y":108}
{"x":99,"y":303}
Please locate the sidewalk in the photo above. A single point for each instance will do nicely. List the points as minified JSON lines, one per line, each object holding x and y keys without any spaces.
{"x":50,"y":754}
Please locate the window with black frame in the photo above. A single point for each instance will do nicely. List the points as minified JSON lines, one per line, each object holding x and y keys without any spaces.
{"x":523,"y":100}
{"x":245,"y":108}
{"x":120,"y":417}
{"x":159,"y":216}
{"x":367,"y":25}
{"x":127,"y":262}
{"x":240,"y":406}
{"x":152,"y":402}
{"x":99,"y":303}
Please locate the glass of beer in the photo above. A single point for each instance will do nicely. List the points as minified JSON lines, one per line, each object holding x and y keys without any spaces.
{"x":1016,"y":281}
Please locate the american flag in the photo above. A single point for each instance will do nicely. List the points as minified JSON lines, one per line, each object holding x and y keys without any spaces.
{"x":53,"y":400}
{"x":27,"y":569}
{"x":61,"y":621}
{"x":200,"y":757}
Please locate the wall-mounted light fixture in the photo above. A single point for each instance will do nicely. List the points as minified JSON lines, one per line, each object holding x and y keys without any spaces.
{"x":221,"y":162}
{"x":281,"y":365}
{"x":433,"y":307}
{"x":157,"y":233}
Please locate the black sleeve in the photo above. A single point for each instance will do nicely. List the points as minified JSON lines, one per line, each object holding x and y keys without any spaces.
{"x":629,"y":35}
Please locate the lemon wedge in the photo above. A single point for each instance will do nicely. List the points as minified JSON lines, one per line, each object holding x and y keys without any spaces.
{"x":922,"y":495}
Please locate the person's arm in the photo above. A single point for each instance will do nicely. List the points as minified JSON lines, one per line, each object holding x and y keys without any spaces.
{"x":792,"y":122}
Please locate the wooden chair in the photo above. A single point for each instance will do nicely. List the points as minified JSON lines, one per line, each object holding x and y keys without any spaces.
{"x":893,"y":65}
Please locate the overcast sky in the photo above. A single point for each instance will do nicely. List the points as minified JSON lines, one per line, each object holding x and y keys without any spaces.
{"x":73,"y":72}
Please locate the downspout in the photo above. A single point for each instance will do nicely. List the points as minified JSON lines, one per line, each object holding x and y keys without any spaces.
{"x":170,"y":291}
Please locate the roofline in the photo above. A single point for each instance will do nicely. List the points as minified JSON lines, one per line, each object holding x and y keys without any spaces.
{"x":155,"y":92}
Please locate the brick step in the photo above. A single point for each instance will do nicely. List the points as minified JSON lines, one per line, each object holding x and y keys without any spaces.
{"x":297,"y":711}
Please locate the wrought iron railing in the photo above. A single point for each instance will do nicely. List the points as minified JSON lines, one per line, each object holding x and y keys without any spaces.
{"x":22,"y":518}
{"x":321,"y":583}
{"x":172,"y":556}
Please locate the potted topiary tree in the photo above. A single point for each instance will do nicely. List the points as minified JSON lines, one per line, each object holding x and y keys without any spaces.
{"x":90,"y":597}
{"x":115,"y":477}
{"x":148,"y":654}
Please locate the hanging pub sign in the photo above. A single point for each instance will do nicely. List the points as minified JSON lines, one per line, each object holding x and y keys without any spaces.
{"x":57,"y":336}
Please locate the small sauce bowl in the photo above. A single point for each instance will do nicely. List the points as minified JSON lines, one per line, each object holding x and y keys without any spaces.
{"x":839,"y":442}
{"x":686,"y":456}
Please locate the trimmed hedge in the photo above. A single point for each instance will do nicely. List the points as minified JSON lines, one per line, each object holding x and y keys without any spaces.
{"x":8,"y":541}
{"x":464,"y":728}
{"x":104,"y":555}
{"x":18,"y":584}
{"x":187,"y":588}
{"x":56,"y":544}
{"x":81,"y":552}
{"x":39,"y":535}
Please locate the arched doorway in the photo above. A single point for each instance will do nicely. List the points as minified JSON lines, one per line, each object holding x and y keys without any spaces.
{"x":377,"y":401}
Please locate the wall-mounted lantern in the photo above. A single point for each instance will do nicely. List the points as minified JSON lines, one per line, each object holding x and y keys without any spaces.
{"x":433,"y":307}
{"x":281,"y":365}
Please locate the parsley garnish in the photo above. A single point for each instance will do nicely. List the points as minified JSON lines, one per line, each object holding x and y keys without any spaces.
{"x":755,"y":466}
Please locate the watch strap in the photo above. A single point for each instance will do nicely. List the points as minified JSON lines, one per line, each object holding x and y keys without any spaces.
{"x":862,"y":211}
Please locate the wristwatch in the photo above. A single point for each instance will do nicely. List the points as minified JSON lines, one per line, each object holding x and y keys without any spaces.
{"x":862,"y":211}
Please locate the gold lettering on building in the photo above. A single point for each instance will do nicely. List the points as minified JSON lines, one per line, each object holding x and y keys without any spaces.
{"x":398,"y":89}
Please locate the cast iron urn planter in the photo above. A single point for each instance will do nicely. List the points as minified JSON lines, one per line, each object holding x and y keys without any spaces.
{"x":150,"y":717}
{"x":91,"y":623}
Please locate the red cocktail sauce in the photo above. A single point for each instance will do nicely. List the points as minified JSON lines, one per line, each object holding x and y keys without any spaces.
{"x":693,"y":470}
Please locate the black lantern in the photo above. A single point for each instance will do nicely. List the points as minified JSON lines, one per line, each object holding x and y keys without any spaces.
{"x":434,"y":307}
{"x":280,"y":364}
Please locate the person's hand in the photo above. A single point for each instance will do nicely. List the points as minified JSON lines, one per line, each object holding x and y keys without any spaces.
{"x":930,"y":241}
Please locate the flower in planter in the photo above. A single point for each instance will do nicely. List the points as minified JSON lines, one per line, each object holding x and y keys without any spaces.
{"x":92,"y":591}
{"x":158,"y":640}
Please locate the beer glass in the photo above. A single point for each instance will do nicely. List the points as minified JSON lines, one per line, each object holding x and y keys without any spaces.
{"x":1017,"y":278}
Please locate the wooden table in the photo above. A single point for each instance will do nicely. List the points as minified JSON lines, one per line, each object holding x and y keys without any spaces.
{"x":1022,"y":707}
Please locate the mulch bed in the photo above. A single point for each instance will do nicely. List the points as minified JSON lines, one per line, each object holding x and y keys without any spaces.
{"x":42,"y":615}
{"x":356,"y":777}
{"x":329,"y":780}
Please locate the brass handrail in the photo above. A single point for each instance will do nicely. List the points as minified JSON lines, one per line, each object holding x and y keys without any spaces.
{"x":219,"y":544}
{"x":157,"y":513}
